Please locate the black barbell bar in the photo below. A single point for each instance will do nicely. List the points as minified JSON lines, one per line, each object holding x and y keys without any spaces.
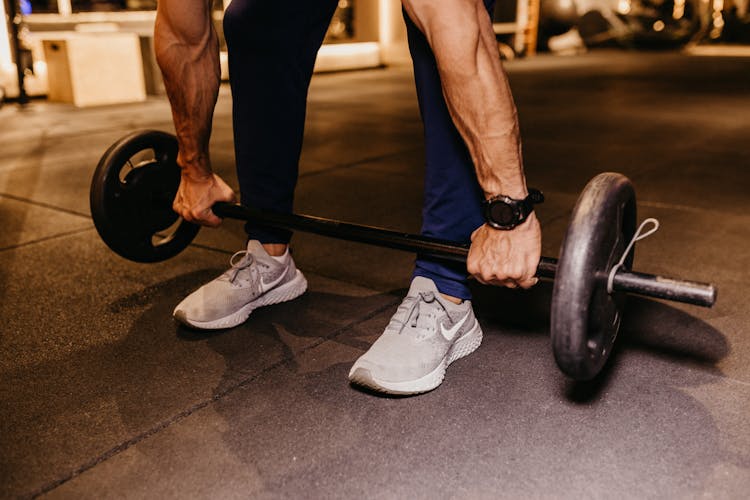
{"x":648,"y":285}
{"x":132,"y":209}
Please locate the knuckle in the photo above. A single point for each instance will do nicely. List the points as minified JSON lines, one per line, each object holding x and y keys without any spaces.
{"x":503,"y":273}
{"x":496,"y":278}
{"x":516,"y":272}
{"x":488,"y":277}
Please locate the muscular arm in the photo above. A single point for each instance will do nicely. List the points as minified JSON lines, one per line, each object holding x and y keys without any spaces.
{"x":187,"y":51}
{"x":479,"y":100}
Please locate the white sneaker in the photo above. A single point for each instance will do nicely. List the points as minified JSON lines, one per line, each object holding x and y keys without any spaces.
{"x":255,"y":279}
{"x":426,"y":334}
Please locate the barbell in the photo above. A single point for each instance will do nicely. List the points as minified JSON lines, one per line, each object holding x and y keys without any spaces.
{"x":137,"y":178}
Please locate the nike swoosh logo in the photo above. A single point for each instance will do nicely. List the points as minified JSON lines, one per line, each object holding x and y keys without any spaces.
{"x":267,"y":286}
{"x":452,"y":331}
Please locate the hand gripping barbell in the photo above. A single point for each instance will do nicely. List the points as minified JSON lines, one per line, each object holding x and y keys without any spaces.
{"x":137,"y":179}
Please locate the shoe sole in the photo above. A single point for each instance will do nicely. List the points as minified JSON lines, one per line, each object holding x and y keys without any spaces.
{"x":464,"y":346}
{"x":284,"y":293}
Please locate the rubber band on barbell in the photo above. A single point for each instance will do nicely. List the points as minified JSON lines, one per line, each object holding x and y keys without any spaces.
{"x":638,"y":236}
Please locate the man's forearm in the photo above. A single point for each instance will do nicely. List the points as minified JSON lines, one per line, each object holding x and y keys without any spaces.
{"x":476,"y":90}
{"x":187,"y":51}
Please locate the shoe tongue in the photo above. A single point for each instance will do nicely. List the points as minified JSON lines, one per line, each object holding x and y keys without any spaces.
{"x":254,"y":247}
{"x":256,"y":252}
{"x":421,"y":284}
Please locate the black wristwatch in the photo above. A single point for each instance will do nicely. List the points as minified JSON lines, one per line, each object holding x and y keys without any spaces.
{"x":503,"y":212}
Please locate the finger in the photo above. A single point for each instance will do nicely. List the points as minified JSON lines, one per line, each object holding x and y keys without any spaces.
{"x":533,"y":265}
{"x":480,"y":280}
{"x":198,"y":215}
{"x":515,"y":274}
{"x":471,"y":265}
{"x":528,"y":283}
{"x":212,"y":222}
{"x":504,"y":282}
{"x":228,"y":195}
{"x":208,"y":218}
{"x":185,"y":214}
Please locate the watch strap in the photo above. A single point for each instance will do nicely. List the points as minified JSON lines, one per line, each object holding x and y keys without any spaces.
{"x":534,"y":197}
{"x":524,"y":206}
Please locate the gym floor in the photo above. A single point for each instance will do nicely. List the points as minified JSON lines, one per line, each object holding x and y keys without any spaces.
{"x":103,"y":395}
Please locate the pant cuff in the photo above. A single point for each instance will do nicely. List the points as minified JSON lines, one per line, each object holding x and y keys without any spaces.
{"x":447,"y":286}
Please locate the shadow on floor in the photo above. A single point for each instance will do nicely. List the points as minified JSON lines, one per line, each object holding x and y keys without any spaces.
{"x":287,"y":410}
{"x":104,"y":399}
{"x":495,"y":425}
{"x":650,"y":326}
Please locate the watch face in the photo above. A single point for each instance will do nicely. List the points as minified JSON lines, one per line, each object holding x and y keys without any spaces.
{"x":502,"y":213}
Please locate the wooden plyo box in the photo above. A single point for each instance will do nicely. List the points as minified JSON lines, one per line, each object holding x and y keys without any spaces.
{"x":89,"y":69}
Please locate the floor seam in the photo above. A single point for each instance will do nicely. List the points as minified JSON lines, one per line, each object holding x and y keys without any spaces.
{"x":45,"y":205}
{"x":47,"y":238}
{"x":116,"y":450}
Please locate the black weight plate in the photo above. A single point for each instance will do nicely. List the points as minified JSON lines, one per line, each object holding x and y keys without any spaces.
{"x":585,"y":318}
{"x":131,"y":198}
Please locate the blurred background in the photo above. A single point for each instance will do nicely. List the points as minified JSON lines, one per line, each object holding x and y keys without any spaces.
{"x":56,"y":47}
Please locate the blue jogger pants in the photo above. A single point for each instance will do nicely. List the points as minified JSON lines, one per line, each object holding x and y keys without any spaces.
{"x":272,"y":47}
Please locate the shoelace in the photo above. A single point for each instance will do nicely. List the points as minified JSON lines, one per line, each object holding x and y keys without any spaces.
{"x":414,"y":303}
{"x":246,"y":260}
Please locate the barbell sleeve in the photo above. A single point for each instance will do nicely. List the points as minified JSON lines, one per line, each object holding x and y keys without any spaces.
{"x":648,"y":285}
{"x":689,"y":292}
{"x":660,"y":287}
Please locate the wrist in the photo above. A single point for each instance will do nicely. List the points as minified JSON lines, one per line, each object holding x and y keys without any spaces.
{"x":518,"y":193}
{"x":198,"y":175}
{"x":195,"y":169}
{"x":505,"y":212}
{"x":515,"y":188}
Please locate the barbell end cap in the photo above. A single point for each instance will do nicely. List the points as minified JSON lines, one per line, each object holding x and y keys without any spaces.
{"x":712,"y":296}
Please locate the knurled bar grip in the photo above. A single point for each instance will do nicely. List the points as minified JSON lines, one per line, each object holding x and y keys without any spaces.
{"x":689,"y":292}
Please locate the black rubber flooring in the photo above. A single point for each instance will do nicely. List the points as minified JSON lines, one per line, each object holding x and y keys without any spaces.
{"x":103,"y":395}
